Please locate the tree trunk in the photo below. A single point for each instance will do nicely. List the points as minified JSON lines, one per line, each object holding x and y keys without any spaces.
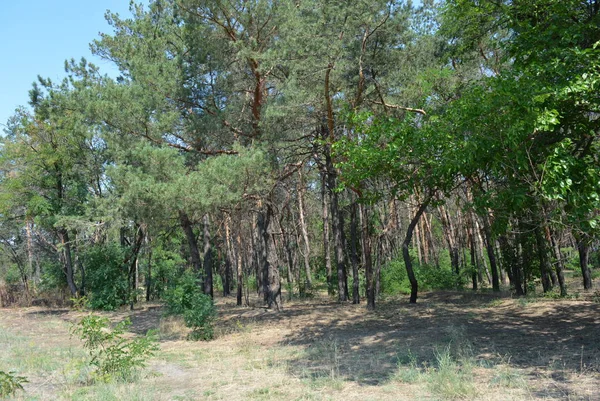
{"x":337,"y":224}
{"x":132,"y":260}
{"x":414,"y":286}
{"x":326,"y":242}
{"x":231,"y":256}
{"x":489,"y":245}
{"x":304,"y":230}
{"x":240,"y":289}
{"x":63,"y":236}
{"x":269,"y":257}
{"x":188,"y":229}
{"x":354,"y":254}
{"x":583,"y":247}
{"x":149,"y":271}
{"x":450,"y":238}
{"x":545,"y":267}
{"x":559,"y":263}
{"x":28,"y":232}
{"x":208,"y":259}
{"x":366,"y":252}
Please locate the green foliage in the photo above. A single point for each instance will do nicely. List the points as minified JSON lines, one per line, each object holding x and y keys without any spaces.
{"x":113,"y":355}
{"x":197,"y":308}
{"x":10,"y":383}
{"x":394,"y":279}
{"x":106,"y":277}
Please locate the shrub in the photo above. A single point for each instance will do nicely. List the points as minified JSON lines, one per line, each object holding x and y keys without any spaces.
{"x":106,"y":279}
{"x":197,"y":308}
{"x":10,"y":383}
{"x":394,"y":279}
{"x":113,"y":355}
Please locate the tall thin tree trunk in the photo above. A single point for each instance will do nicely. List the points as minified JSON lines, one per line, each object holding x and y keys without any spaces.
{"x":366,"y":252}
{"x":583,"y":247}
{"x":417,"y":238}
{"x":28,"y":232}
{"x":489,"y":245}
{"x":559,"y":263}
{"x":270,"y":271}
{"x":542,"y":250}
{"x":240,"y":289}
{"x":337,"y":224}
{"x":354,"y":254}
{"x":188,"y":229}
{"x":304,"y":230}
{"x":450,"y":238}
{"x":63,"y":236}
{"x":414,"y":286}
{"x":208,"y":258}
{"x":149,"y":270}
{"x":326,"y":241}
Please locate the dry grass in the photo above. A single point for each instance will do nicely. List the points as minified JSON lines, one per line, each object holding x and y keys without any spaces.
{"x":451,"y":345}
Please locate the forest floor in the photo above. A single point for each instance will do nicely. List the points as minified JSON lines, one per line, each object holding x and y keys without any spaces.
{"x":451,"y":345}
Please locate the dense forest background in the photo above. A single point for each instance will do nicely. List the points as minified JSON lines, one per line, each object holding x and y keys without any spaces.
{"x":282,"y":147}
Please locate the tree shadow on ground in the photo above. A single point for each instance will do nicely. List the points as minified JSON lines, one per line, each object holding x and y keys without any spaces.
{"x":345,"y":341}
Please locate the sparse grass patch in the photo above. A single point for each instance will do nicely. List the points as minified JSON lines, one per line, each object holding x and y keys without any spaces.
{"x":451,"y":379}
{"x":506,"y":376}
{"x":172,"y":327}
{"x":408,"y":369}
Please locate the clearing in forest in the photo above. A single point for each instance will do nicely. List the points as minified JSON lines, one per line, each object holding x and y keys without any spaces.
{"x":451,"y":345}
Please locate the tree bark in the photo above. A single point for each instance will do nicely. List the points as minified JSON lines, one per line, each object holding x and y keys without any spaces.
{"x":337,"y":224}
{"x":63,"y":236}
{"x":366,"y":252}
{"x":240,"y":289}
{"x":543,"y":258}
{"x":414,"y":286}
{"x":304,"y":230}
{"x":583,"y":247}
{"x":187,"y":226}
{"x":449,"y":236}
{"x":559,"y":263}
{"x":489,"y":245}
{"x":208,"y":259}
{"x":269,"y":257}
{"x":326,"y":242}
{"x":354,"y":254}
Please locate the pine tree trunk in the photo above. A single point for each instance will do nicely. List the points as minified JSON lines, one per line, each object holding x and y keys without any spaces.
{"x":354,"y":254}
{"x":304,"y":230}
{"x":366,"y":253}
{"x":240,"y":277}
{"x":269,"y":257}
{"x":326,"y":241}
{"x":188,"y":229}
{"x":149,"y":270}
{"x":63,"y":236}
{"x":208,"y":258}
{"x":337,"y":224}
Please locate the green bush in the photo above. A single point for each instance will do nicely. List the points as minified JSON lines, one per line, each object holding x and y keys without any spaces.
{"x":106,"y":278}
{"x":394,"y":279}
{"x":10,"y":383}
{"x":113,"y":355}
{"x":197,"y":308}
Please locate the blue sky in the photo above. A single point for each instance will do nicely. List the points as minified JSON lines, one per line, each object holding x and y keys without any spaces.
{"x":37,"y":36}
